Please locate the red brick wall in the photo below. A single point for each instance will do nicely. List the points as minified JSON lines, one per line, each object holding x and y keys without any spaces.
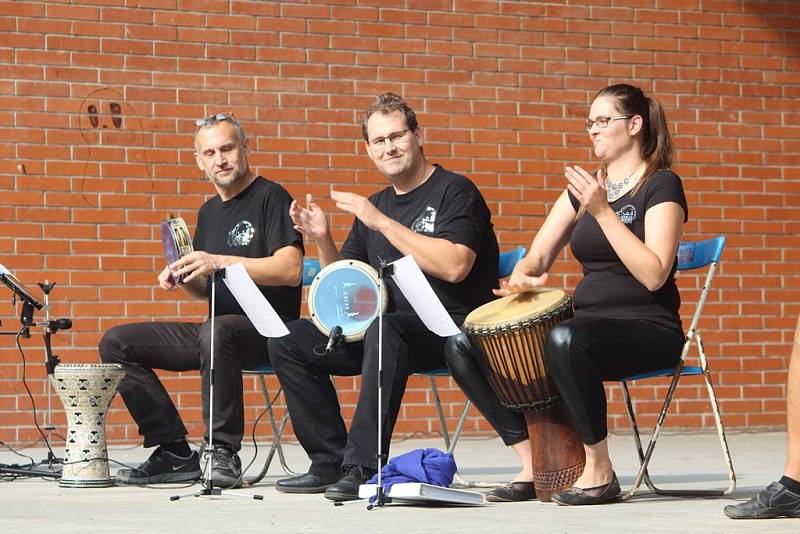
{"x":501,"y":89}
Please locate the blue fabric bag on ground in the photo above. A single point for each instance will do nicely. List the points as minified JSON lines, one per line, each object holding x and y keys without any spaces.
{"x":430,"y":466}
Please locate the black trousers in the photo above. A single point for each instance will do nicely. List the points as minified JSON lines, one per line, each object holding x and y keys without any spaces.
{"x":462,"y":360}
{"x":304,"y":373}
{"x":582,"y":352}
{"x":142,"y":347}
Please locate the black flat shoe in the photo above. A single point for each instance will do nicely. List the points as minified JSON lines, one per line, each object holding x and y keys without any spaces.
{"x":306,"y":483}
{"x":596,"y":495}
{"x":512,"y":492}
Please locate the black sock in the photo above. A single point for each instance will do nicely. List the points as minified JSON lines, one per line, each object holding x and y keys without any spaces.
{"x":790,"y":484}
{"x":178,"y":448}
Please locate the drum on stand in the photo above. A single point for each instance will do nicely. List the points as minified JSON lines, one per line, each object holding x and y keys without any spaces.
{"x":510,"y":333}
{"x":346,"y":293}
{"x":86,"y":391}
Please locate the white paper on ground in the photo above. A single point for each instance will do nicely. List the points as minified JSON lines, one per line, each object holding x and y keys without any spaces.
{"x":258,"y":309}
{"x":415,"y":287}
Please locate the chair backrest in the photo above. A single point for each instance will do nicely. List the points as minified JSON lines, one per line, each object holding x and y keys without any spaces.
{"x":509,"y":259}
{"x":310,"y":270}
{"x":696,"y":254}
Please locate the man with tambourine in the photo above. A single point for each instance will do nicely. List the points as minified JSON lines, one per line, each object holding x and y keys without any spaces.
{"x":435,"y":215}
{"x":248,"y":222}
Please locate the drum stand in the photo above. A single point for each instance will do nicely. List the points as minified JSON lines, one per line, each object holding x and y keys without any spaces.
{"x":208,"y":453}
{"x":52,"y":465}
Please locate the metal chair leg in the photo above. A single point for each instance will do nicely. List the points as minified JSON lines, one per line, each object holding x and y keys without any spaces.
{"x":644,"y":475}
{"x":275,"y":446}
{"x":440,"y":412}
{"x":450,"y":444}
{"x":656,"y":431}
{"x":276,"y":433}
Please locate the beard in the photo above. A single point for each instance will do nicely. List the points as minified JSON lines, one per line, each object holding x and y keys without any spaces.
{"x":230,"y":179}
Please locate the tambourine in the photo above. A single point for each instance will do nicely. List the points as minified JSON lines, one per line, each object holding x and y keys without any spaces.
{"x":176,"y":240}
{"x":346,"y":293}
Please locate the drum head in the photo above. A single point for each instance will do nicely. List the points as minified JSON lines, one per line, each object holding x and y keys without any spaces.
{"x":514,"y":309}
{"x":345,"y":294}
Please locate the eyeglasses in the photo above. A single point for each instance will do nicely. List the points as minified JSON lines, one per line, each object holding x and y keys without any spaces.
{"x":379,"y":143}
{"x":603,"y":121}
{"x":213,"y":119}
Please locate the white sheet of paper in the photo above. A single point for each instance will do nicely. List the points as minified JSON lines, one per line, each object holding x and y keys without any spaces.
{"x":258,"y":309}
{"x":415,"y":287}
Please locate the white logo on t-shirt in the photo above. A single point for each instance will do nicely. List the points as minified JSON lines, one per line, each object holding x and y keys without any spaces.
{"x":424,"y":224}
{"x":627,"y":214}
{"x":241,"y":235}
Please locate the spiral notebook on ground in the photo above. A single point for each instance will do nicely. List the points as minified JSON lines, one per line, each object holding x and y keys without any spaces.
{"x":417,"y":492}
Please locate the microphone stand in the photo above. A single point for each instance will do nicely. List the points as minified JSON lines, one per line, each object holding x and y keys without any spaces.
{"x":50,"y":363}
{"x":208,"y":484}
{"x":53,"y":467}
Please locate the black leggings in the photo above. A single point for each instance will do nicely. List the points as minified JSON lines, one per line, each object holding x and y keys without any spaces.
{"x":582,"y":352}
{"x":462,"y":359}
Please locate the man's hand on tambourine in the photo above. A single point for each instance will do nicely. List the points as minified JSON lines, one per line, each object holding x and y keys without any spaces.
{"x":166,"y":281}
{"x":193,"y":266}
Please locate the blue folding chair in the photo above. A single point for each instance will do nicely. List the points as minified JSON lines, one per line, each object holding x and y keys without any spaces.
{"x":691,"y":255}
{"x":507,"y":262}
{"x":310,"y":270}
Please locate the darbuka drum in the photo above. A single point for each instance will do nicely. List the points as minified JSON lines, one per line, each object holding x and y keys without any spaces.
{"x":510,"y":333}
{"x":86,"y":391}
{"x":346,"y":294}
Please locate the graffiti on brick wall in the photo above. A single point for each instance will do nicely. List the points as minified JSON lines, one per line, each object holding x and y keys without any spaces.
{"x":113,"y":136}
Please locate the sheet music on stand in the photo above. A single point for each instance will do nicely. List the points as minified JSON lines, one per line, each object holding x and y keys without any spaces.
{"x":255,"y":305}
{"x":415,"y":287}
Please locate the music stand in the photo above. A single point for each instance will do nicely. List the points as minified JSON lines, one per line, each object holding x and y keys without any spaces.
{"x":411,"y":282}
{"x":380,"y":497}
{"x":208,"y":484}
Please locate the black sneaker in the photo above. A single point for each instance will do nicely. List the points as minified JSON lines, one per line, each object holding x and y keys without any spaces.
{"x":163,"y":467}
{"x":773,"y":501}
{"x":346,"y":488}
{"x":226,"y":468}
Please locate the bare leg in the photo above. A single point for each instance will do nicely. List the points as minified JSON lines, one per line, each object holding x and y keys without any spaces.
{"x":598,"y":470}
{"x":523,"y":450}
{"x":793,"y":410}
{"x":781,"y":498}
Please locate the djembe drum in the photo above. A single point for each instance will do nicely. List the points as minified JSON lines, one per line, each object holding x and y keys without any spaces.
{"x":86,"y":391}
{"x":510,"y":333}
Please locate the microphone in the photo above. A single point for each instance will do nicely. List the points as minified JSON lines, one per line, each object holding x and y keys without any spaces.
{"x":334,"y":338}
{"x":60,"y":324}
{"x":55,"y":326}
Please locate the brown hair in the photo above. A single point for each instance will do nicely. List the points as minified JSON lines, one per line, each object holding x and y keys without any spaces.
{"x":656,"y":142}
{"x":389,"y":103}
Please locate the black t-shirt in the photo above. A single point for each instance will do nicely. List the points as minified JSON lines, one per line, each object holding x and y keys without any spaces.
{"x":253,"y":224}
{"x":447,"y":206}
{"x":608,"y":289}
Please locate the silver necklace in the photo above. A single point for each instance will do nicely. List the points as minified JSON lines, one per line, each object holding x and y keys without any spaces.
{"x":614,"y":189}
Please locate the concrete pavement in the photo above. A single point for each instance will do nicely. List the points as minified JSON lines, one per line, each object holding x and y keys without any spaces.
{"x":689,"y":459}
